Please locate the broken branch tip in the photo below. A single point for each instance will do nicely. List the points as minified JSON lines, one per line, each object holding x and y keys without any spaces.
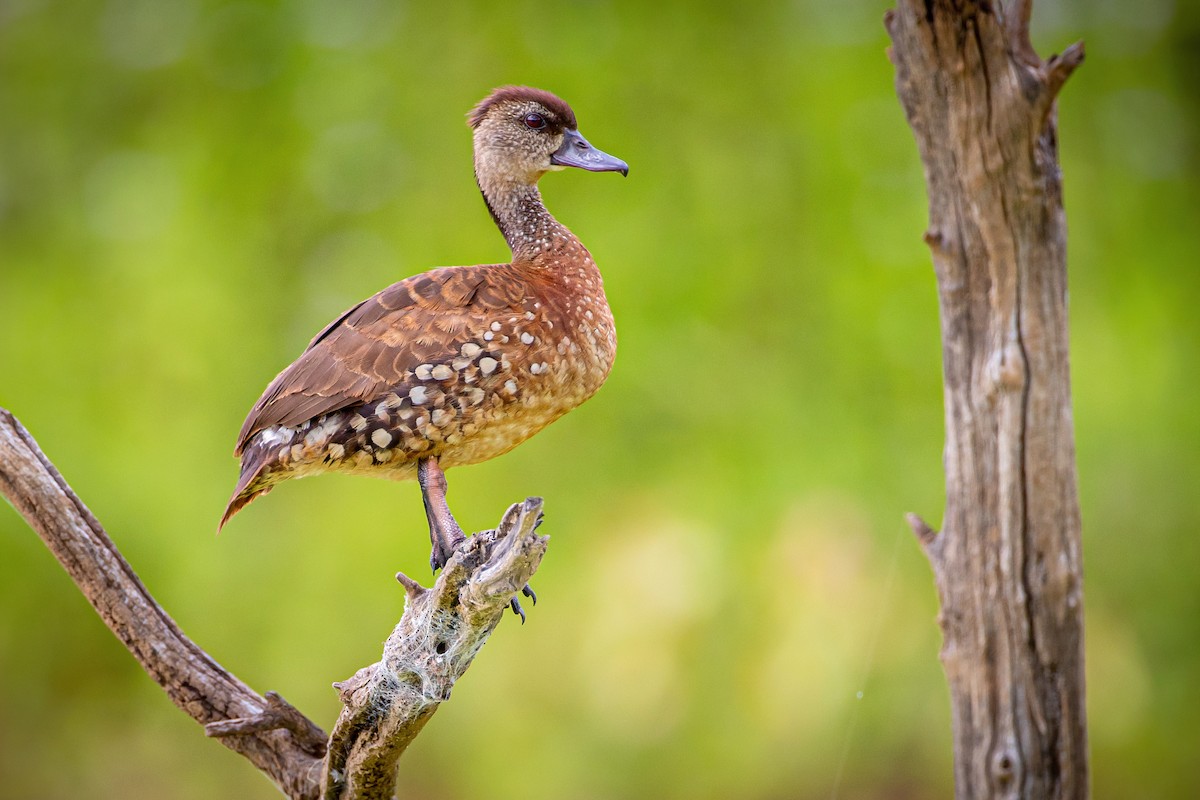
{"x":411,"y":587}
{"x":925,"y":534}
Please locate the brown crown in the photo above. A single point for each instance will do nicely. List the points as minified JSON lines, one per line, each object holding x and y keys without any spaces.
{"x":523,"y":94}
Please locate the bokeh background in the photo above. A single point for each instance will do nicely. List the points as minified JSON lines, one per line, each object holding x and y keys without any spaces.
{"x":731,"y":606}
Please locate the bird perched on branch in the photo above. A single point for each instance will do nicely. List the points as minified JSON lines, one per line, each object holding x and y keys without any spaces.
{"x":459,"y":364}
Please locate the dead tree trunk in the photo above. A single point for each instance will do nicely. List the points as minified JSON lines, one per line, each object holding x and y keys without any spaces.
{"x":385,"y":705}
{"x":1007,"y":562}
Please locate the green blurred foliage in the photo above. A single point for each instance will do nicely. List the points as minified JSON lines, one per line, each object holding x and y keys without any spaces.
{"x":731,"y":605}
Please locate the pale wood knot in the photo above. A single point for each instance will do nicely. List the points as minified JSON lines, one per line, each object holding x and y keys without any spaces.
{"x":1005,"y":763}
{"x":347,"y":688}
{"x":936,"y":239}
{"x":1006,"y":370}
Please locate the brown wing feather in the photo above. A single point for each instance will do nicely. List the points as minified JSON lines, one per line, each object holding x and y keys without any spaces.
{"x":367,"y":350}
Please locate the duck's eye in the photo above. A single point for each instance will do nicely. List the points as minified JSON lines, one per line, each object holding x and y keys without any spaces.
{"x":535,"y":121}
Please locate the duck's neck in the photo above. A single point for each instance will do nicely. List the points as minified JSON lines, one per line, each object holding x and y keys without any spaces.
{"x":528,"y":227}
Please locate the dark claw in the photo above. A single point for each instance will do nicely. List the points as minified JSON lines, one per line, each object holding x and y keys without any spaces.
{"x":516,"y":608}
{"x":438,"y":558}
{"x":530,"y":593}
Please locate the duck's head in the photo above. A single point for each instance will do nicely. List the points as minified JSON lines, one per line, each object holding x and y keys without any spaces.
{"x":522,"y":133}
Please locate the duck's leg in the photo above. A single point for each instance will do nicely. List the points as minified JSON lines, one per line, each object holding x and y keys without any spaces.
{"x":444,"y":532}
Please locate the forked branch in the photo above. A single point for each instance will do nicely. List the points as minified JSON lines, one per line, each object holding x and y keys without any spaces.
{"x":386,"y":704}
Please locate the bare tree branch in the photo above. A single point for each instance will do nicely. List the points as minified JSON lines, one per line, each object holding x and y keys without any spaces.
{"x":1058,"y":68}
{"x":196,"y":683}
{"x":928,"y":538}
{"x":386,"y":704}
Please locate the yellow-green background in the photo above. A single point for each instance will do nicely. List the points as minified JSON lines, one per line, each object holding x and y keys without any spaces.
{"x":731,"y":606}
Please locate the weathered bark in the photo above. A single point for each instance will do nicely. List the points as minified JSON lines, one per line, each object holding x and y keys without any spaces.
{"x":385,"y":705}
{"x":1007,"y":562}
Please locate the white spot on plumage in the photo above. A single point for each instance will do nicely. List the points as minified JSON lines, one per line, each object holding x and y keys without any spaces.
{"x":510,"y":386}
{"x":442,"y":372}
{"x":496,"y":325}
{"x":487,"y":337}
{"x":417,"y":395}
{"x":358,"y":422}
{"x":275,"y":435}
{"x":380,"y":437}
{"x":487,"y":365}
{"x":534,"y":369}
{"x":527,"y":338}
{"x":470,"y":350}
{"x":423,"y":372}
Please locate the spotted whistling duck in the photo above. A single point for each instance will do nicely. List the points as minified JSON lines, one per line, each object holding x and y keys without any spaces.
{"x":459,"y":364}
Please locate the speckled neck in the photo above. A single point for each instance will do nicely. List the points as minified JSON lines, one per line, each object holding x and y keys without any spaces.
{"x":521,"y":216}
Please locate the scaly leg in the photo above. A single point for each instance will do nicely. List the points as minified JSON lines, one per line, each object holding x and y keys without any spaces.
{"x":444,"y":532}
